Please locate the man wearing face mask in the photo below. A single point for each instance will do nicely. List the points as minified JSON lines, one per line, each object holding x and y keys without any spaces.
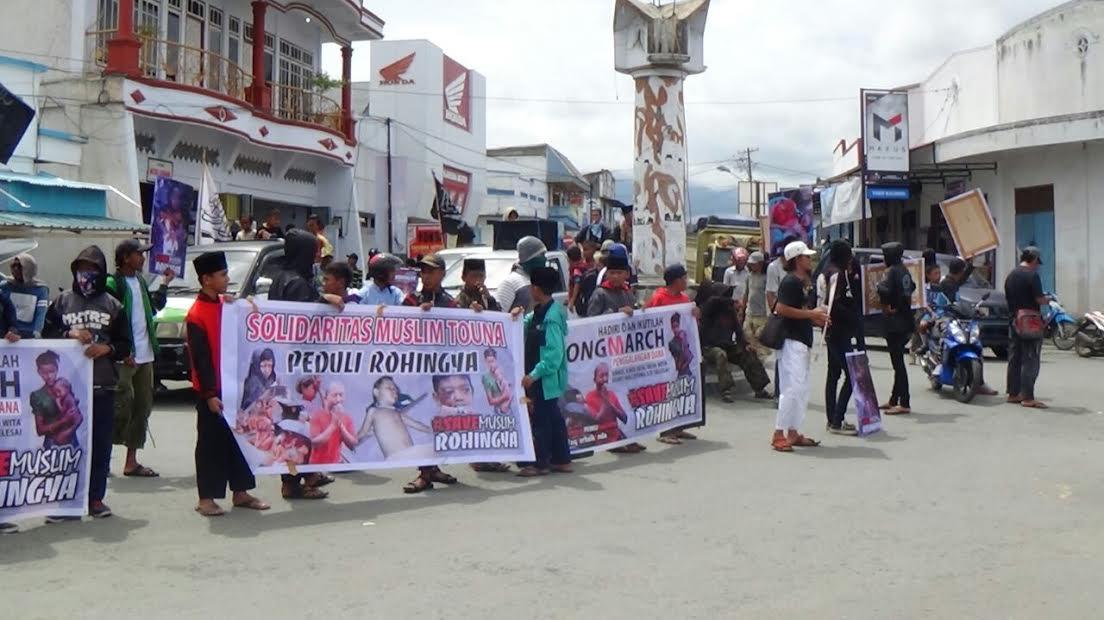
{"x":89,"y":314}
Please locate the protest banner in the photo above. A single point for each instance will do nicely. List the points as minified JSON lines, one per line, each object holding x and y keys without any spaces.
{"x":873,"y":273}
{"x":45,"y":429}
{"x":173,"y":203}
{"x":971,"y":223}
{"x":320,"y":390}
{"x":791,"y":216}
{"x":631,"y":378}
{"x":869,"y":417}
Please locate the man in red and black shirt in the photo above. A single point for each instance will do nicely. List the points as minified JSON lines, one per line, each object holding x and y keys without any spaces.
{"x":431,"y":296}
{"x":218,"y":458}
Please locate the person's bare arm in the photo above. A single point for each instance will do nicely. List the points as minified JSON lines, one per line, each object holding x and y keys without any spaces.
{"x":325,"y":435}
{"x":818,"y":316}
{"x":367,"y":426}
{"x":414,"y":424}
{"x":347,"y":436}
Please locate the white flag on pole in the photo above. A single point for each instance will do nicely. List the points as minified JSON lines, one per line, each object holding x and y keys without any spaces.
{"x":211,"y":224}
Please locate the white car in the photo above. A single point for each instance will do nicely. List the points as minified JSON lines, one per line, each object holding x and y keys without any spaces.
{"x":499,"y":263}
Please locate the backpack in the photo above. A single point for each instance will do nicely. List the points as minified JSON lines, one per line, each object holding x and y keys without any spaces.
{"x":586,"y":288}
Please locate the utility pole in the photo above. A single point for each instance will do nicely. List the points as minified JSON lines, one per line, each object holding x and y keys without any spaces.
{"x":745,"y":162}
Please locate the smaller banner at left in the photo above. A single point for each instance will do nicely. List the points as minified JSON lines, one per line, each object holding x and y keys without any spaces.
{"x":307,"y":388}
{"x":45,"y":429}
{"x":173,"y":203}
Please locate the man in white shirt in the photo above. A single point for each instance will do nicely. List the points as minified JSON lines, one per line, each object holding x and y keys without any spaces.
{"x":247,"y":233}
{"x":513,"y":292}
{"x":134,"y":395}
{"x":736,"y":276}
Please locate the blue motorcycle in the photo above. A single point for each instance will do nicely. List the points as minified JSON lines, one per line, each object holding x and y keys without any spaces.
{"x":954,"y":355}
{"x":1060,"y":326}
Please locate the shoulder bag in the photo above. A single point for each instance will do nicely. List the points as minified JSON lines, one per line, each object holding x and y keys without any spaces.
{"x":1029,"y":325}
{"x":773,"y":335}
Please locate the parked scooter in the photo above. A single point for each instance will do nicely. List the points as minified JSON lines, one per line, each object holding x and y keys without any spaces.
{"x":1060,"y":326}
{"x":954,"y":355}
{"x":1089,"y":338}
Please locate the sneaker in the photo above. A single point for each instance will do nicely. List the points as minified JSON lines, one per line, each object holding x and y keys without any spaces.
{"x":99,"y":510}
{"x":8,"y":528}
{"x":843,"y":429}
{"x":57,"y":519}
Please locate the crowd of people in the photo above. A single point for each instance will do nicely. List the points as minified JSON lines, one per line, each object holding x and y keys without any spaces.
{"x":111,"y":312}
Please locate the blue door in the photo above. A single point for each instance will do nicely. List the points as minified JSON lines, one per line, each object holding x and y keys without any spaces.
{"x":1037,"y":229}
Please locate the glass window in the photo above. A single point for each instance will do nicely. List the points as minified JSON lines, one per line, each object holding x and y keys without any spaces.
{"x":238,"y":263}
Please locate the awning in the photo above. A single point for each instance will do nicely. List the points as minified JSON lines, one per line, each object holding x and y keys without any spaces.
{"x":71,"y":223}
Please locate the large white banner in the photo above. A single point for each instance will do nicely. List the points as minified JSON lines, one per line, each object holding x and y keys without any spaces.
{"x":631,"y":378}
{"x":885,"y":131}
{"x":45,"y":429}
{"x":308,"y":388}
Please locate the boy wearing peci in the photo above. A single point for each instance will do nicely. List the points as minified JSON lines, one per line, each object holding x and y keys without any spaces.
{"x":218,"y":459}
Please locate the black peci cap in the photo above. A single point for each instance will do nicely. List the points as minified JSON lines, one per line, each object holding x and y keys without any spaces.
{"x":475,"y":264}
{"x":210,"y":262}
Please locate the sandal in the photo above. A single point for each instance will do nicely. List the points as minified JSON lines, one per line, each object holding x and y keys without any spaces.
{"x":318,"y":480}
{"x":141,"y":471}
{"x":886,"y":406}
{"x":491,"y":468}
{"x":303,"y":492}
{"x":417,"y":485}
{"x":780,"y":444}
{"x":252,"y":504}
{"x":670,"y":440}
{"x":632,"y":448}
{"x":801,"y":441}
{"x":898,"y":410}
{"x":210,"y":511}
{"x":439,"y":476}
{"x":685,"y":435}
{"x":1034,"y":404}
{"x":531,"y":472}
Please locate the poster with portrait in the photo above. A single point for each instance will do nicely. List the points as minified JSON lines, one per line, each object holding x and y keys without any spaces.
{"x":631,"y":378}
{"x":307,"y":388}
{"x":869,"y":417}
{"x":791,"y":217}
{"x":874,"y":273}
{"x":45,"y":429}
{"x":173,"y":204}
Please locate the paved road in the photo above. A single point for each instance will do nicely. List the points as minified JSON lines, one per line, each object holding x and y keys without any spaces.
{"x":984,"y":510}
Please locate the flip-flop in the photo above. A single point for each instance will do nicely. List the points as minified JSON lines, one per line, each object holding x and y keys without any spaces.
{"x":210,"y":512}
{"x":685,"y":435}
{"x":1034,"y":404}
{"x":141,"y":472}
{"x":253,"y":504}
{"x":417,"y":485}
{"x":801,"y":441}
{"x":491,"y":468}
{"x":442,"y":477}
{"x":670,"y":439}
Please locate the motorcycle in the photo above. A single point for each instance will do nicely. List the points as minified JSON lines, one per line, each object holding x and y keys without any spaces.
{"x":954,"y":355}
{"x":1089,"y":338}
{"x":1060,"y":326}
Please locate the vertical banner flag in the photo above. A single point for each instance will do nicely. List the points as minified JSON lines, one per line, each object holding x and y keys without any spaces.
{"x":457,"y":87}
{"x":862,"y":389}
{"x":45,"y":429}
{"x":631,"y":378}
{"x":172,"y":206}
{"x":885,"y":131}
{"x":309,"y":389}
{"x":211,"y":224}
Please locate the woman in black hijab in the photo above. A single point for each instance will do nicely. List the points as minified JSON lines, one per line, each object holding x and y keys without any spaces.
{"x":262,"y":376}
{"x":845,"y":333}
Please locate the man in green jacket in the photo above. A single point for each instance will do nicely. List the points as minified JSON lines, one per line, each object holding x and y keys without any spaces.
{"x":546,"y":375}
{"x":134,"y":395}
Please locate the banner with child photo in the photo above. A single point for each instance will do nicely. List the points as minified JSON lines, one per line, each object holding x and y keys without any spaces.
{"x":307,"y":388}
{"x":45,"y":429}
{"x":631,"y":378}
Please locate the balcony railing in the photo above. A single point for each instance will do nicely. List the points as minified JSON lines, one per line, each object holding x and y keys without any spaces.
{"x":305,"y":106}
{"x":183,"y":64}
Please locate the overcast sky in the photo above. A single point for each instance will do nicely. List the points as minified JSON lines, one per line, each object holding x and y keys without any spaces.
{"x":755,"y":51}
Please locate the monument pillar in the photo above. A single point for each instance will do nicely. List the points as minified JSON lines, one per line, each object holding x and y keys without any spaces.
{"x":659,"y":45}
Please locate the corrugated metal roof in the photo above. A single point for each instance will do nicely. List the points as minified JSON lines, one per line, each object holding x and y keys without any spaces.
{"x":74,"y":223}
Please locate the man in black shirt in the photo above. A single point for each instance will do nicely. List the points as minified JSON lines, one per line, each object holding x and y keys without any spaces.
{"x":793,"y":359}
{"x":895,"y":293}
{"x":1024,"y":291}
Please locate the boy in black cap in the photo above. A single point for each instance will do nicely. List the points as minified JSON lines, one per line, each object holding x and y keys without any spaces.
{"x":474,"y":295}
{"x":218,"y":458}
{"x":674,"y":293}
{"x":134,"y":397}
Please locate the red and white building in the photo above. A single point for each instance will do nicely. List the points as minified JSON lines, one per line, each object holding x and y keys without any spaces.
{"x":423,"y":115}
{"x":162,"y":86}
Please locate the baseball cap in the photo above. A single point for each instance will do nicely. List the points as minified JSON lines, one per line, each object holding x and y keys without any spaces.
{"x":797,"y":248}
{"x":432,"y":262}
{"x":129,"y":246}
{"x":608,"y":244}
{"x":1031,"y":253}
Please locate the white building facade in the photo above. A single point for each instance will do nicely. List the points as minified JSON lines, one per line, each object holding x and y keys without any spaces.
{"x":159,"y":87}
{"x":536,"y":181}
{"x":422,"y":116}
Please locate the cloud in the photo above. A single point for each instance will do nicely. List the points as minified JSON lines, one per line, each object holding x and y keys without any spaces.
{"x":792,"y":50}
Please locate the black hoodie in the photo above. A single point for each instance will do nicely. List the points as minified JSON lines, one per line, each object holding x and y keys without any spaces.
{"x":99,"y":313}
{"x":896,"y":290}
{"x":295,"y":282}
